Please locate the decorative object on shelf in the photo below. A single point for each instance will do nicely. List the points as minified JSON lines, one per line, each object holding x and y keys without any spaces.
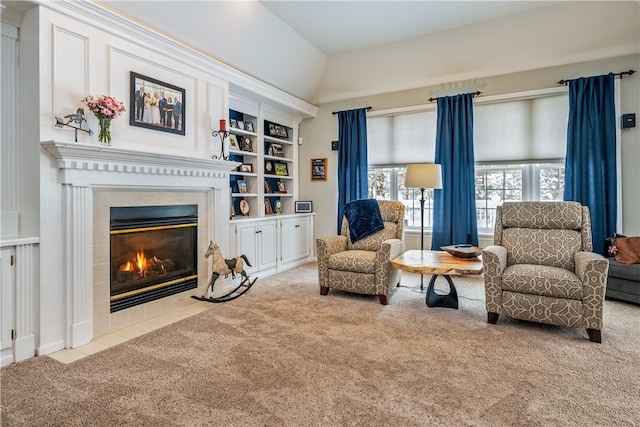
{"x":278,"y":206}
{"x":233,"y":123}
{"x":223,"y":134}
{"x":157,"y":105}
{"x":246,"y":145}
{"x":248,"y":126}
{"x":462,"y":251}
{"x":267,"y":187}
{"x":275,"y":130}
{"x":77,"y":118}
{"x":281,"y":187}
{"x":319,"y":169}
{"x":246,"y":167}
{"x":244,"y":207}
{"x":267,"y":207}
{"x":304,"y":206}
{"x":233,"y":143}
{"x":281,"y":169}
{"x":276,"y":150}
{"x":105,"y":108}
{"x":423,"y":176}
{"x":269,"y":167}
{"x":240,"y":125}
{"x":242,"y":186}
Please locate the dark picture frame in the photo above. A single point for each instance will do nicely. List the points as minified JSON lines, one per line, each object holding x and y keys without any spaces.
{"x":246,"y":167}
{"x":319,"y":169}
{"x":276,"y":130}
{"x":248,"y":126}
{"x":149,"y":109}
{"x":281,"y":169}
{"x":268,"y":210}
{"x":276,"y":150}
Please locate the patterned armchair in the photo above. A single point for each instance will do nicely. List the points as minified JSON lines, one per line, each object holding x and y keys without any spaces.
{"x":363,"y":267}
{"x":542,"y":268}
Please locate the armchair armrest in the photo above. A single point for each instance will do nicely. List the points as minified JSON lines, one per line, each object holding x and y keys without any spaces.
{"x":494,"y":262}
{"x":592,"y":269}
{"x":327,"y":246}
{"x":389,"y":249}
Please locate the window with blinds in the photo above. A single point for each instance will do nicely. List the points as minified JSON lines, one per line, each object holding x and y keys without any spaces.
{"x":519,"y":147}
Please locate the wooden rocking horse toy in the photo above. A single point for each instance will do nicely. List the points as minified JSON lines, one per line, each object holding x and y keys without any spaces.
{"x":226,"y":267}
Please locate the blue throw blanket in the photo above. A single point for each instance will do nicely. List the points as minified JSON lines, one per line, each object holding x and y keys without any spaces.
{"x":364,"y":218}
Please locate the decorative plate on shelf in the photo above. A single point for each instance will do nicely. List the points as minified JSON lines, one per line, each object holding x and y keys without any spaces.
{"x":462,"y":251}
{"x":244,"y":207}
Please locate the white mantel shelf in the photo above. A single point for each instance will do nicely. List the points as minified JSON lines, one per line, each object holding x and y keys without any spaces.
{"x":97,"y":158}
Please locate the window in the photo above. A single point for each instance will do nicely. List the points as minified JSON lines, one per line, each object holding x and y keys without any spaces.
{"x":514,"y":139}
{"x":514,"y":182}
{"x":387,"y":183}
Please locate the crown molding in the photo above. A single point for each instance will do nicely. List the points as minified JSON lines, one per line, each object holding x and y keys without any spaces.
{"x":101,"y":17}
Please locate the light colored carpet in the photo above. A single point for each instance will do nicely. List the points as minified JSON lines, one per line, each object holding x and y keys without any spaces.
{"x":284,"y":355}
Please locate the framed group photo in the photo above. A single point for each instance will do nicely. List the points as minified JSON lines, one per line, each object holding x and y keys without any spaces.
{"x":277,"y":131}
{"x":156,"y":105}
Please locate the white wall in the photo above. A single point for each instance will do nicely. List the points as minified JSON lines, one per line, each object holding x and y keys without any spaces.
{"x":321,"y":130}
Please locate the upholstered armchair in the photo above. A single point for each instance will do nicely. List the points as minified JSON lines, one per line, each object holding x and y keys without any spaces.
{"x":542,"y":268}
{"x":363,"y":267}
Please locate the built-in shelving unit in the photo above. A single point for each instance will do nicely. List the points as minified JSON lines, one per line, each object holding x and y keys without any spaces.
{"x":264,"y":183}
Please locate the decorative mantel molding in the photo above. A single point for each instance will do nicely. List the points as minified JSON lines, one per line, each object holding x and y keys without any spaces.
{"x":101,"y":160}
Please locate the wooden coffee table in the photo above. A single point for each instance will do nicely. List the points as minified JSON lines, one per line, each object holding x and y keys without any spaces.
{"x":438,"y":263}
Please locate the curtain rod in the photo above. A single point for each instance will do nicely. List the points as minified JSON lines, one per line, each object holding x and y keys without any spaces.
{"x":473,"y":93}
{"x":367,"y":108}
{"x":630,"y":73}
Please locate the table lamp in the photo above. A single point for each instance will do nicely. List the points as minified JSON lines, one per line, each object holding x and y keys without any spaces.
{"x":423,"y":176}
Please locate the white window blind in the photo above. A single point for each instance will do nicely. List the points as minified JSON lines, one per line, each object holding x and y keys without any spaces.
{"x":401,"y":139}
{"x":504,"y":131}
{"x":520,"y":130}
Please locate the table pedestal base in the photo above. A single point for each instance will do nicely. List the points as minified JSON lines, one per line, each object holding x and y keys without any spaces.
{"x":449,"y":300}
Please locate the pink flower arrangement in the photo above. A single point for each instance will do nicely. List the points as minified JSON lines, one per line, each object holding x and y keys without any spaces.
{"x":104,"y":107}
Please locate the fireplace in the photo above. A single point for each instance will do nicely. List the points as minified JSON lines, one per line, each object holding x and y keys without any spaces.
{"x":153,"y":253}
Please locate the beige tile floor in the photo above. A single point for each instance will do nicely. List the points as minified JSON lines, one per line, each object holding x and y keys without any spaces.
{"x":114,"y":338}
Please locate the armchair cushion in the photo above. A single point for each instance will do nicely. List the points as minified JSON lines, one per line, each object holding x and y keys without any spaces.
{"x":542,"y":280}
{"x":355,"y":261}
{"x":373,"y":242}
{"x":364,"y":218}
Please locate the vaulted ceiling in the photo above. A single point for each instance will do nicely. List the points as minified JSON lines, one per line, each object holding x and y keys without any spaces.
{"x":322,"y":51}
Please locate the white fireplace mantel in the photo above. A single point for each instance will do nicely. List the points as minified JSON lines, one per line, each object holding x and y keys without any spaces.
{"x":90,"y":164}
{"x":83,"y":168}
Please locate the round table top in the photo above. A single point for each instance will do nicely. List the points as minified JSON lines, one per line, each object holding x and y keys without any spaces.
{"x":436,"y":262}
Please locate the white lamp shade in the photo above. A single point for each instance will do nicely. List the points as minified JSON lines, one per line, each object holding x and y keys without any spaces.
{"x":423,"y":175}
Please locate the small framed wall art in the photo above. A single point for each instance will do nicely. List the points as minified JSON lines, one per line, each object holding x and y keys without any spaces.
{"x":319,"y":169}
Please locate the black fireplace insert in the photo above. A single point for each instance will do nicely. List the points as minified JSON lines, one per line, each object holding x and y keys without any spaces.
{"x":153,"y":253}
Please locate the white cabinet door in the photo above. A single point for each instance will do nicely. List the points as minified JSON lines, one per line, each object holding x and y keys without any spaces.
{"x":304,"y":237}
{"x":257,"y":240}
{"x":6,"y":307}
{"x":267,"y":244}
{"x":246,"y":244}
{"x":295,"y":238}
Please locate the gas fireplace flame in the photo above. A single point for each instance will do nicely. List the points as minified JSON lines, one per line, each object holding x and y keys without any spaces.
{"x":137,"y":265}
